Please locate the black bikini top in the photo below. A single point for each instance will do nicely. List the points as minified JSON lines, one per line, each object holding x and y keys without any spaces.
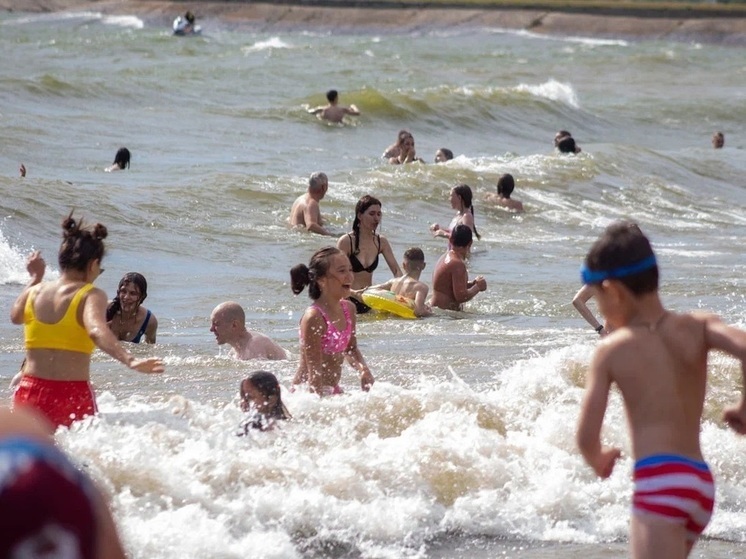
{"x":357,"y":266}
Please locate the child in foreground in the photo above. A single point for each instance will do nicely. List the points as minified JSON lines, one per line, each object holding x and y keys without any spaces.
{"x":261,"y":394}
{"x":327,"y":328}
{"x":658,"y":359}
{"x":409,"y":285}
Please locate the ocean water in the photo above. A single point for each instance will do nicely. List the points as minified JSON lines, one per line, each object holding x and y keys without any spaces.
{"x":465,"y":445}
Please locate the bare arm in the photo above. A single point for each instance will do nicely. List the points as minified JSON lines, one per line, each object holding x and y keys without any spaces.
{"x":732,"y":341}
{"x":355,"y":358}
{"x":464,"y":290}
{"x":593,"y":409}
{"x":352,"y":110}
{"x":579,"y":302}
{"x":151,"y":330}
{"x":272,"y":350}
{"x":312,"y":217}
{"x":388,"y":255}
{"x":421,"y":308}
{"x":36,"y":267}
{"x":94,"y":321}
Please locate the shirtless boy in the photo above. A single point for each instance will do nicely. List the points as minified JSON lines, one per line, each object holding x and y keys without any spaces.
{"x":228,"y":323}
{"x":409,"y":285}
{"x":658,"y":360}
{"x":306,"y":211}
{"x":505,"y":186}
{"x":334,"y":112}
{"x":451,"y":285}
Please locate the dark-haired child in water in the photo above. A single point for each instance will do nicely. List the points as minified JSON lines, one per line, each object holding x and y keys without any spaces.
{"x":461,"y":201}
{"x":505,"y":186}
{"x":409,"y":285}
{"x":443,"y":155}
{"x":261,"y":395}
{"x":327,"y":328}
{"x":334,"y":112}
{"x":121,"y":160}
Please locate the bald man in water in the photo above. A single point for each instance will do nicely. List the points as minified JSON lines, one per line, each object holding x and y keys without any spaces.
{"x":228,"y":323}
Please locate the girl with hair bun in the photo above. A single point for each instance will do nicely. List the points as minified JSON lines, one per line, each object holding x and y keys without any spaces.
{"x":327,"y":328}
{"x":64,"y":320}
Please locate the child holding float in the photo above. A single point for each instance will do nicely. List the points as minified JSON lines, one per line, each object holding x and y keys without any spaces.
{"x":327,"y":328}
{"x":407,"y":286}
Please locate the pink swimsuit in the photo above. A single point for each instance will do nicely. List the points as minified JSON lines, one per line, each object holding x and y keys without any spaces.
{"x":335,"y":341}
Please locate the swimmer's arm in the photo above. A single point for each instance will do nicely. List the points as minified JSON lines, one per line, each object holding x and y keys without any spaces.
{"x":36,"y":267}
{"x":355,"y":358}
{"x":151,"y":330}
{"x":352,"y":110}
{"x":344,"y":243}
{"x":388,"y":255}
{"x":312,"y":327}
{"x":463,"y":289}
{"x":315,"y":110}
{"x":592,"y":411}
{"x":385,"y":286}
{"x":94,"y":322}
{"x":579,"y":302}
{"x":421,"y":307}
{"x":732,"y":341}
{"x":312,"y":217}
{"x":439,"y":232}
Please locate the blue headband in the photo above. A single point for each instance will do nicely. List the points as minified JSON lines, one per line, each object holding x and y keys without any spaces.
{"x":597,"y":276}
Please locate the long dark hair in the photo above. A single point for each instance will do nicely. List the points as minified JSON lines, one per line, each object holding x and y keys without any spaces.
{"x":302,"y":275}
{"x":267,"y":383}
{"x":363,"y":204}
{"x":463,"y":191}
{"x":80,"y":245}
{"x":116,"y":304}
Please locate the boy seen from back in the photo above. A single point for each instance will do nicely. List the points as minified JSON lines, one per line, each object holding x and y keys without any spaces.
{"x":658,"y":360}
{"x":409,"y":285}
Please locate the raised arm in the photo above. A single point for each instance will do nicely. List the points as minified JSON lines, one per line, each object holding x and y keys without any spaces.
{"x":580,"y":303}
{"x":36,"y":267}
{"x":352,"y":110}
{"x":592,"y":411}
{"x":94,"y":321}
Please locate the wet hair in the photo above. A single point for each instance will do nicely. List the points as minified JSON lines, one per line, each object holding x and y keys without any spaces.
{"x":623,"y":244}
{"x":505,"y":185}
{"x":130,"y":277}
{"x":302,"y":275}
{"x":447,"y":152}
{"x":567,"y":145}
{"x":461,"y":236}
{"x":80,"y":245}
{"x":559,"y":135}
{"x":463,"y":191}
{"x":362,"y":205}
{"x":316,"y":180}
{"x":122,"y":158}
{"x":718,"y":140}
{"x":332,"y":95}
{"x":403,"y":135}
{"x":415,"y":257}
{"x":267,"y":383}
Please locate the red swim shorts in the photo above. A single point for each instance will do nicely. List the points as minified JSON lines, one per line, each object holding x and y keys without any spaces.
{"x":62,"y":401}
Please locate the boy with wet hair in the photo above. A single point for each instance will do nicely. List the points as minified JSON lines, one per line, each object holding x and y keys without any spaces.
{"x":334,"y":112}
{"x":409,"y":285}
{"x":658,"y":360}
{"x":505,"y":186}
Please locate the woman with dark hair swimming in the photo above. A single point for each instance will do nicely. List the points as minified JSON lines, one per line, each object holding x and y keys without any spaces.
{"x":363,"y":246}
{"x":461,"y":201}
{"x":121,"y":160}
{"x":126,"y":316}
{"x":64,"y":321}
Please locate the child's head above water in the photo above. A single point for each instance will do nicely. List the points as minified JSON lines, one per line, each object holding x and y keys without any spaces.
{"x":261,"y":391}
{"x":414,"y":260}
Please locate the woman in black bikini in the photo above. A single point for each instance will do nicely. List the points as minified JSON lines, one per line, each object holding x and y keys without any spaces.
{"x":363,"y":246}
{"x":125,"y":315}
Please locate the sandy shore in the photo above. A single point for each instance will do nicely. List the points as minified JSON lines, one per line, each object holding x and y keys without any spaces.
{"x":730,"y":29}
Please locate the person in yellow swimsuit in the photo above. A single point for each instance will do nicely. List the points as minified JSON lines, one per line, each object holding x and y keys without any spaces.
{"x":64,"y":320}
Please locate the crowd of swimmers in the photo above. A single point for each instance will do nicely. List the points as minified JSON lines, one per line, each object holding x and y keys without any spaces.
{"x":657,"y":358}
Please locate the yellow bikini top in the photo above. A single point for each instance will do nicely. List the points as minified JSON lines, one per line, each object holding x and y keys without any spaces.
{"x":66,"y":334}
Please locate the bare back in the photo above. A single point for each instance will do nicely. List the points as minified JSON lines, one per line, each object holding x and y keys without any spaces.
{"x":449,"y":276}
{"x":661,"y":371}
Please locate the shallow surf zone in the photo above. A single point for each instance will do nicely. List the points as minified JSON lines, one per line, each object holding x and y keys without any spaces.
{"x":409,"y":471}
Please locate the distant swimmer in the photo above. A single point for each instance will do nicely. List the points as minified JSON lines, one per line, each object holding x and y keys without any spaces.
{"x":718,"y":140}
{"x":505,"y":186}
{"x":22,"y":170}
{"x":121,"y":160}
{"x":443,"y":155}
{"x":306,"y":212}
{"x":125,"y":315}
{"x":334,"y":112}
{"x":451,"y":285}
{"x":186,"y":25}
{"x":228,"y":323}
{"x":559,"y":135}
{"x":327,"y":328}
{"x":407,"y":152}
{"x":461,"y":201}
{"x":395,"y":149}
{"x":567,"y":144}
{"x":409,"y":285}
{"x":261,"y":398}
